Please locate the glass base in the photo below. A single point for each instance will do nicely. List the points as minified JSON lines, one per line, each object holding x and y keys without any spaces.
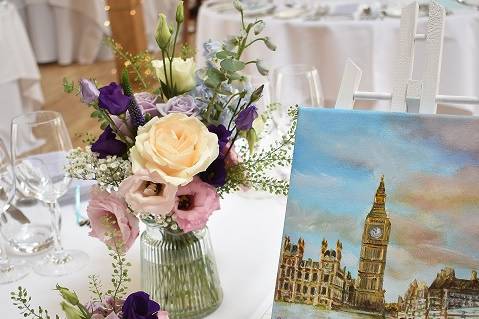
{"x":13,"y":271}
{"x":60,"y":264}
{"x":31,"y":239}
{"x":179,"y":272}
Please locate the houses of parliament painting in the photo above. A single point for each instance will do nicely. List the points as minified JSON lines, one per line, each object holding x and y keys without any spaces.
{"x":382,"y":218}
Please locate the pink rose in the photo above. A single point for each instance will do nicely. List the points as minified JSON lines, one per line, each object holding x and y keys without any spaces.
{"x":163,"y":315}
{"x":195,"y":202}
{"x":109,"y":214}
{"x":147,"y":192}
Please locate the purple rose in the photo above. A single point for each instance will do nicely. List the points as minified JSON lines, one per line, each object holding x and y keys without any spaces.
{"x":138,"y":305}
{"x":215,"y":174}
{"x":180,"y":104}
{"x":107,"y":144}
{"x":111,"y":98}
{"x":146,"y":102}
{"x":223,"y":134}
{"x":88,"y":91}
{"x":245,"y":118}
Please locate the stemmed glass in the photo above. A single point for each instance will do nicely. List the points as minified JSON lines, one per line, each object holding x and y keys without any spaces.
{"x":297,"y":84}
{"x":9,"y":271}
{"x":40,"y":141}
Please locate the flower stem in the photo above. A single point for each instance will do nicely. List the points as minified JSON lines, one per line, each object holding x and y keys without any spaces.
{"x":173,"y":53}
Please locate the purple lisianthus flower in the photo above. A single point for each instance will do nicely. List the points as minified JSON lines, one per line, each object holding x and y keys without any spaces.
{"x":245,"y":118}
{"x":215,"y":174}
{"x":179,"y":104}
{"x":223,"y":134}
{"x":138,"y":305}
{"x":107,"y":144}
{"x":88,"y":91}
{"x":111,"y":98}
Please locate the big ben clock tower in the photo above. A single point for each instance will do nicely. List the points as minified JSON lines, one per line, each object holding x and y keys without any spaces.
{"x":372,"y":262}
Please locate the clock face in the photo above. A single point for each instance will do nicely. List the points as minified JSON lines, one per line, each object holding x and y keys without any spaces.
{"x":375,"y":232}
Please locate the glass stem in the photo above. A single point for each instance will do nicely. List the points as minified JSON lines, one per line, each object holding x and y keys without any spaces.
{"x":56,"y":222}
{"x":4,"y":261}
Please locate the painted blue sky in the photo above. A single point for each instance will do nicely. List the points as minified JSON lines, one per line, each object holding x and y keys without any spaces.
{"x":431,"y":169}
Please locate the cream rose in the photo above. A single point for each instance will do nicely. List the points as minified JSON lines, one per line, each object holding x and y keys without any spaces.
{"x":176,"y":146}
{"x":183,"y":73}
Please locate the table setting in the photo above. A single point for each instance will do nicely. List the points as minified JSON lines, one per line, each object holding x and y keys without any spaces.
{"x":326,"y":42}
{"x":223,"y":184}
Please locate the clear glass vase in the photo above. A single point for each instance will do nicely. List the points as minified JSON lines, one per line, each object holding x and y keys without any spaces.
{"x":179,"y":271}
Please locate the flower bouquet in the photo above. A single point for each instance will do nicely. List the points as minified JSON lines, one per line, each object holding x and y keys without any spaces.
{"x":169,"y":153}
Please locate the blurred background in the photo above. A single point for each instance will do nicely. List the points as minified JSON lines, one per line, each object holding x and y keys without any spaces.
{"x":44,"y":41}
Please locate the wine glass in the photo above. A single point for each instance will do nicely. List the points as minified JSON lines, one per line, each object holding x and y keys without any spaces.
{"x":9,"y":271}
{"x":297,"y":84}
{"x":40,"y":142}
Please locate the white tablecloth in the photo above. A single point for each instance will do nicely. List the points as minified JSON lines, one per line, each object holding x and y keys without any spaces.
{"x":20,"y":89}
{"x":246,"y":236}
{"x":371,"y":44}
{"x":69,"y":31}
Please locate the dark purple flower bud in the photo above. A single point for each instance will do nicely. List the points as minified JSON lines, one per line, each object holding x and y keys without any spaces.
{"x":107,"y":144}
{"x":215,"y":174}
{"x":245,"y":118}
{"x":223,"y":134}
{"x":111,"y":98}
{"x":138,"y":305}
{"x":88,"y":91}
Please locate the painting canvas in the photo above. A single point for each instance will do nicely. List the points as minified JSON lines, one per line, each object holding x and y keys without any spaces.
{"x":382,"y":218}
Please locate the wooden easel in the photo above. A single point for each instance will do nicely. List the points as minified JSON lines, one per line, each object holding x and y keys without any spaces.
{"x":408,"y":95}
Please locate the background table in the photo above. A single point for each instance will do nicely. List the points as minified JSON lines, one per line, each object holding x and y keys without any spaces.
{"x":246,"y":236}
{"x":20,"y":89}
{"x":372,"y":44}
{"x":68,"y":31}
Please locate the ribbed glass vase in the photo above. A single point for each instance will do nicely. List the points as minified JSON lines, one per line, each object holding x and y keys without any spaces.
{"x":179,"y":271}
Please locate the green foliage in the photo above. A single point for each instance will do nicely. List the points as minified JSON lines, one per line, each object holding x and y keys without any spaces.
{"x":227,"y":68}
{"x":187,"y":51}
{"x":68,"y":85}
{"x":254,"y":171}
{"x":96,"y":288}
{"x":137,"y":64}
{"x":21,"y":299}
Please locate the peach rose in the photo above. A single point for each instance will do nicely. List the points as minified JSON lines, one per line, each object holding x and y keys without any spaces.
{"x":176,"y":146}
{"x":148,"y":193}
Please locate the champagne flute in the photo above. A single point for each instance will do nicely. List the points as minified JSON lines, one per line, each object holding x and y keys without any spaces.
{"x":40,"y":142}
{"x":9,"y":271}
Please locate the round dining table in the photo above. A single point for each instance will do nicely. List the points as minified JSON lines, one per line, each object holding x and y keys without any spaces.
{"x":326,"y":42}
{"x":246,"y":236}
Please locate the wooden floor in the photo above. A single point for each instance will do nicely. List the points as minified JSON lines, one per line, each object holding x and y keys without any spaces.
{"x":76,"y":114}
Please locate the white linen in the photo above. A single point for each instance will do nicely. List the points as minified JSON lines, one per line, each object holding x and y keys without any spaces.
{"x":371,"y":44}
{"x":246,"y":236}
{"x":69,"y":31}
{"x":20,"y":89}
{"x":66,"y":31}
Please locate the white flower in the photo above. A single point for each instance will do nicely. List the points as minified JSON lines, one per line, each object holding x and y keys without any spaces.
{"x":183,"y":72}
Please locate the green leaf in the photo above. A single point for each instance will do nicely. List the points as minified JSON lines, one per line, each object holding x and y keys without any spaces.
{"x":68,"y":86}
{"x":251,"y":137}
{"x":230,"y":65}
{"x":215,"y":74}
{"x":224,"y":54}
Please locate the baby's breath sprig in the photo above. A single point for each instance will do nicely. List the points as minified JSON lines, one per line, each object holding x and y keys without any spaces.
{"x":109,"y":172}
{"x":21,"y":299}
